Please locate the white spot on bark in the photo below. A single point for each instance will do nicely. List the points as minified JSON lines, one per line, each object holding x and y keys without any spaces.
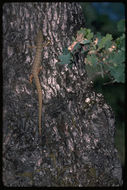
{"x":87,"y":100}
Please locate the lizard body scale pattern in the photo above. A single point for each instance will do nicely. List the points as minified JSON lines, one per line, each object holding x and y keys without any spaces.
{"x":35,"y":71}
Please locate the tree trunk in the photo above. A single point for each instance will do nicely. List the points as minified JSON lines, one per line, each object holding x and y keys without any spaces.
{"x":77,"y":147}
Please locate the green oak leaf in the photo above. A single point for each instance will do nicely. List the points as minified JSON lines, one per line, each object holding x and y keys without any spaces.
{"x":116,"y":57}
{"x":89,"y":35}
{"x":82,"y":31}
{"x":92,"y":59}
{"x":105,"y":42}
{"x":118,"y":73}
{"x":65,"y":59}
{"x":120,"y":42}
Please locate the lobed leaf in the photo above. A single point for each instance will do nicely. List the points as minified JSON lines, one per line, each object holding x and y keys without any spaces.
{"x":105,"y":42}
{"x":118,"y":72}
{"x":65,"y":59}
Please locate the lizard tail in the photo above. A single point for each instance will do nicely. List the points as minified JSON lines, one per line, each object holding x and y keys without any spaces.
{"x":40,"y":101}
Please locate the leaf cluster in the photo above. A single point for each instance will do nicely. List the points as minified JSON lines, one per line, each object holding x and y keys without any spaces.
{"x":104,"y":55}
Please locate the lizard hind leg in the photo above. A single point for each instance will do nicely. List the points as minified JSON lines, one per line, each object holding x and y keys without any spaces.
{"x":31,"y":76}
{"x":39,"y":69}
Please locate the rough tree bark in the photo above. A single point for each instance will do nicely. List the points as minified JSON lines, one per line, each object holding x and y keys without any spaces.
{"x":77,"y":147}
